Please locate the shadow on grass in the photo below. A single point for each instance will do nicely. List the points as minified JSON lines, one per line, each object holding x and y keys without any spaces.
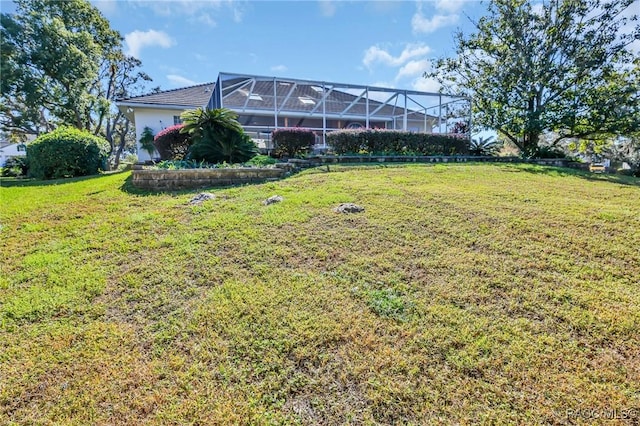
{"x":26,"y":182}
{"x":565,"y":171}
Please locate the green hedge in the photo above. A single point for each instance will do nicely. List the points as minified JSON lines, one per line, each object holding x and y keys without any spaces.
{"x":395,"y":142}
{"x":290,"y":142}
{"x":66,"y":152}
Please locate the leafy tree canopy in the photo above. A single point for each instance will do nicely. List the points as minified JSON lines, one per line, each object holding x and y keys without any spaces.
{"x":62,"y":64}
{"x":558,"y":66}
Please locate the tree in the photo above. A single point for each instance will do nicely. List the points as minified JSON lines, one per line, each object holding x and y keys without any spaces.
{"x":62,"y":64}
{"x":627,"y":149}
{"x":217,"y":136}
{"x":562,"y":66}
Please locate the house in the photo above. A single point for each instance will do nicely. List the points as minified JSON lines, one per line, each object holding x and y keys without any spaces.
{"x":264,"y":104}
{"x":8,"y":150}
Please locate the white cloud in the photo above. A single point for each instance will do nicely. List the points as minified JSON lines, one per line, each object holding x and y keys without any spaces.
{"x":426,"y":85}
{"x":205,"y":18}
{"x":376,"y":54}
{"x":422,"y":24}
{"x":137,"y":40}
{"x":107,"y":7}
{"x":413,"y":68}
{"x":181,"y":81}
{"x":327,"y":8}
{"x":194,"y":8}
{"x":279,"y":68}
{"x":451,"y":6}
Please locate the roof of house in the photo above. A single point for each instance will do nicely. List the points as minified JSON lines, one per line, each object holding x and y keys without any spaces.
{"x":192,"y":96}
{"x":255,"y":93}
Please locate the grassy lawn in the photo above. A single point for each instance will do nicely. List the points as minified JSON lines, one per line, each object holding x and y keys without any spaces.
{"x":501,"y":294}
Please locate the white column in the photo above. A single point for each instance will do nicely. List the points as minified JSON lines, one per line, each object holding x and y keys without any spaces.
{"x":324,"y":116}
{"x":275,"y":104}
{"x":367,"y":99}
{"x":404,"y":119}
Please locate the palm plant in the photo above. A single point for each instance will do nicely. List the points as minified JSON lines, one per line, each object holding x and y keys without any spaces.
{"x":483,"y":146}
{"x":146,"y":141}
{"x":217,"y":136}
{"x":232,"y":147}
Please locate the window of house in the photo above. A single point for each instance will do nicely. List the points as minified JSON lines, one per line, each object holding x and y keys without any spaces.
{"x":177,"y":120}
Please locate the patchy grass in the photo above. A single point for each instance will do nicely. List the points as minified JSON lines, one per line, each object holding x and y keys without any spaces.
{"x":501,"y":294}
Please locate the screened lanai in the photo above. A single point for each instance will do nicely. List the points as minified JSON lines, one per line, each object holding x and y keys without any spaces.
{"x":264,"y":104}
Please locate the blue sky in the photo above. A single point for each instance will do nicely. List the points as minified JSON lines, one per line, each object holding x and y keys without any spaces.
{"x":384,"y":43}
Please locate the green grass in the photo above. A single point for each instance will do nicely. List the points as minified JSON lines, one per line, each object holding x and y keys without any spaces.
{"x":499,"y":294}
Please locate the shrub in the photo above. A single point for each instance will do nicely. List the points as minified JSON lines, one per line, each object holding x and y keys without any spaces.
{"x":229,"y":146}
{"x":395,"y":142}
{"x":15,"y":167}
{"x":171,"y":144}
{"x":261,"y":160}
{"x":548,"y":152}
{"x":484,"y":146}
{"x":217,"y":136}
{"x":146,"y":140}
{"x":291,"y":142}
{"x":66,"y":152}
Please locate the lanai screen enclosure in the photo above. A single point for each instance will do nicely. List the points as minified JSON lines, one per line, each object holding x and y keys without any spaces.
{"x":268,"y":103}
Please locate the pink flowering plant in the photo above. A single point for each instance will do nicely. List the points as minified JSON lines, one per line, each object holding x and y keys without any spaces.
{"x":171,"y":143}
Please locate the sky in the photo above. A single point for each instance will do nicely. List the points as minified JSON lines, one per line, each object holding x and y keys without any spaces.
{"x":381,"y":43}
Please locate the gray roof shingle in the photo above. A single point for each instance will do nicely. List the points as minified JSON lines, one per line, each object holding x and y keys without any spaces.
{"x":193,"y":96}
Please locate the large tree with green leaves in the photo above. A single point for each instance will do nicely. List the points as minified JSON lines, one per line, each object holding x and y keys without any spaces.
{"x":559,"y":66}
{"x":62,"y":64}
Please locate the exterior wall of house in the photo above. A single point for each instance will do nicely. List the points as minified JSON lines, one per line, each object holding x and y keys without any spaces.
{"x":156,"y":119}
{"x":259,"y":127}
{"x":11,"y":151}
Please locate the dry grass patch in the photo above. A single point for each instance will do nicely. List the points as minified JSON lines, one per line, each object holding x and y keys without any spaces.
{"x":464,"y":293}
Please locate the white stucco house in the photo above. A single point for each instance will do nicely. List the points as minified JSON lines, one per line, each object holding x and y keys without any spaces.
{"x":264,"y":104}
{"x":8,"y":150}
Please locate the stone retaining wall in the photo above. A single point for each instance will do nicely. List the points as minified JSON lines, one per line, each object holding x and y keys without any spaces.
{"x":199,"y":178}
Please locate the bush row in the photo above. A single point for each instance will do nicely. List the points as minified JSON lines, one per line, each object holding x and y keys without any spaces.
{"x":390,"y":142}
{"x":290,"y":142}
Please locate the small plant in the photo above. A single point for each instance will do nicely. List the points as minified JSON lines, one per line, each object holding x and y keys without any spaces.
{"x":484,"y":146}
{"x":146,"y":141}
{"x":388,"y":303}
{"x":66,"y":152}
{"x":185,"y":164}
{"x":261,"y":160}
{"x":171,"y":143}
{"x":15,"y":167}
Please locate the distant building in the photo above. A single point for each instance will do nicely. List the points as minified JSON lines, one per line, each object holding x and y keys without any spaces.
{"x":264,"y":104}
{"x":8,"y":150}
